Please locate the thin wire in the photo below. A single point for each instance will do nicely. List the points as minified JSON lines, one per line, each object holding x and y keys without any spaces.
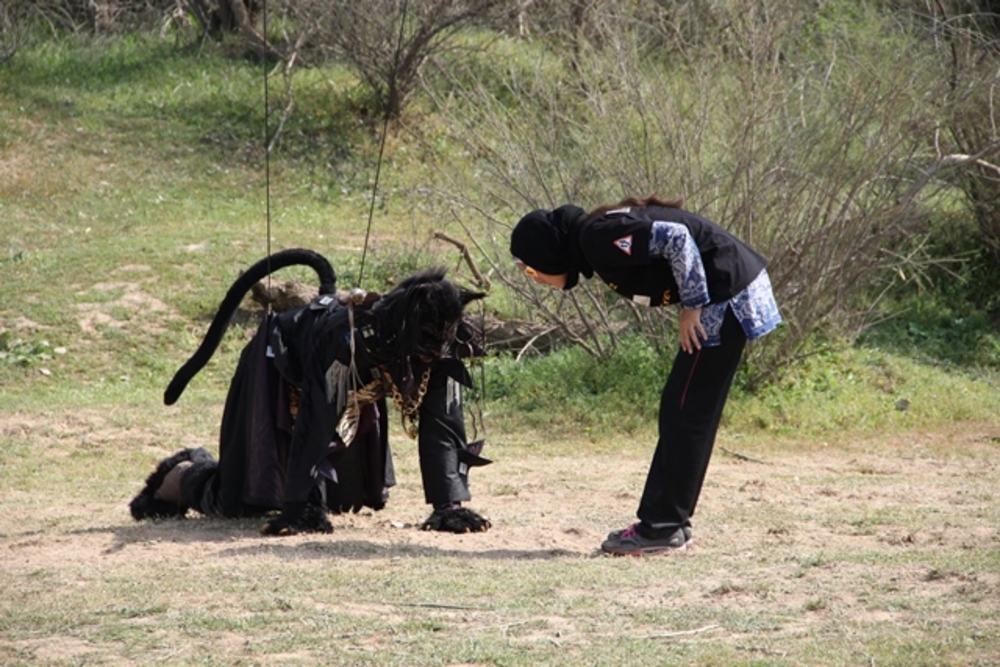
{"x":267,"y":155}
{"x":381,"y":149}
{"x":482,"y":377}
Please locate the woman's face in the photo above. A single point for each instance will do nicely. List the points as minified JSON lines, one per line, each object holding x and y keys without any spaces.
{"x":557,"y":281}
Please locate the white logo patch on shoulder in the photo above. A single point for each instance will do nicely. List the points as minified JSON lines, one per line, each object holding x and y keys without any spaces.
{"x":625,"y":244}
{"x":641,"y":299}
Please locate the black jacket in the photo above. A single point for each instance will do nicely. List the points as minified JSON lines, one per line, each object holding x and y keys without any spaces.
{"x":615,"y":246}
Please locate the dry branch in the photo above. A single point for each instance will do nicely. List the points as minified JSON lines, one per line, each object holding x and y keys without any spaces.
{"x":286,"y":73}
{"x":481,"y":280}
{"x":742,"y":457}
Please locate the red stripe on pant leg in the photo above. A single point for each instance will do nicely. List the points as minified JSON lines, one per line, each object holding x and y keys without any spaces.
{"x":687,"y":384}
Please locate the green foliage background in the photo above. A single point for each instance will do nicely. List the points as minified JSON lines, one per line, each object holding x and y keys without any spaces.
{"x":144,"y":151}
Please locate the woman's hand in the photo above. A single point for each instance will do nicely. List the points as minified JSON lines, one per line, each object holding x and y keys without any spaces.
{"x":692,"y":333}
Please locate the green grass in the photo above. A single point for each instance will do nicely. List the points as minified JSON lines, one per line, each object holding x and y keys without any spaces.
{"x":137,"y":194}
{"x":842,"y":391}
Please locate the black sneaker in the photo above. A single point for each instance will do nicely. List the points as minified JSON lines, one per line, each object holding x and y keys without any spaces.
{"x":615,"y":534}
{"x":632,"y":542}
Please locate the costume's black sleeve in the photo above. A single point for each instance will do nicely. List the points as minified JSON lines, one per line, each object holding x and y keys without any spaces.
{"x":445,"y":454}
{"x":252,"y":440}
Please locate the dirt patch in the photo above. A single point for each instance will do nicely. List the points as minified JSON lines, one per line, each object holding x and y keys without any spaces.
{"x":890,"y":497}
{"x":126,"y":300}
{"x":804,"y":544}
{"x":22,"y":324}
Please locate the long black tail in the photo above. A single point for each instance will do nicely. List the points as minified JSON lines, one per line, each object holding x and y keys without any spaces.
{"x":263,"y":268}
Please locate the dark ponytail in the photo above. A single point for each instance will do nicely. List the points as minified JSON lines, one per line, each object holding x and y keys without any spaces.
{"x":651,"y":200}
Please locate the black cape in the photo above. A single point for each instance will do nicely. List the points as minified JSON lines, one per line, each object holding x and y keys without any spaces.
{"x":267,"y":459}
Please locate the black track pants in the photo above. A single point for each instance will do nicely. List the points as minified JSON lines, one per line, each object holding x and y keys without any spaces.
{"x":690,"y":410}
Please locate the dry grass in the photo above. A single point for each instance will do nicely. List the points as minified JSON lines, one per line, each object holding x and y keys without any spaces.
{"x":884,"y":551}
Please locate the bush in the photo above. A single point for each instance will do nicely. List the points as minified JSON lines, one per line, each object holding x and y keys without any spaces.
{"x":950,"y":313}
{"x":567,"y":389}
{"x":787,"y":129}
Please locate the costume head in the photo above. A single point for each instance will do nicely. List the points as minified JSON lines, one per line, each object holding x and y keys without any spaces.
{"x":544,"y":240}
{"x":419,"y":316}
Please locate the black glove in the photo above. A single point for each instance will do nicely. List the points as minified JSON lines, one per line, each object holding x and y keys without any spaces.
{"x":298,"y":518}
{"x":456,"y":520}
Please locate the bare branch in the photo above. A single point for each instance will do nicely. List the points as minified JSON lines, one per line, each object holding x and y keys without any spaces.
{"x":481,"y":280}
{"x":286,"y":73}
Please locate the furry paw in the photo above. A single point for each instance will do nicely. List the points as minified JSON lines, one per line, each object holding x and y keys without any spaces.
{"x":457,"y":520}
{"x":160,"y":498}
{"x":292,"y":521}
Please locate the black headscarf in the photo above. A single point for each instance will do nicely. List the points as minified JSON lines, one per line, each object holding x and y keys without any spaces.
{"x":546,"y":241}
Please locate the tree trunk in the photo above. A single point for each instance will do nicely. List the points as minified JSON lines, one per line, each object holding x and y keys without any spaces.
{"x":237,"y":16}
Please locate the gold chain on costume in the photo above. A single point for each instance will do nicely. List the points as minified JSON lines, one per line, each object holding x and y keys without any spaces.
{"x":408,"y":409}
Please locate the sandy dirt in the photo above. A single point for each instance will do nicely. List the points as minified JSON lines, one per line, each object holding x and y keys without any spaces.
{"x":811,"y":526}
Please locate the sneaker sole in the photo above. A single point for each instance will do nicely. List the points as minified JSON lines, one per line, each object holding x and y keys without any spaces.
{"x":649,"y":551}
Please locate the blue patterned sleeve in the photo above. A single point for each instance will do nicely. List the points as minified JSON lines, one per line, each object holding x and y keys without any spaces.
{"x":673,"y":242}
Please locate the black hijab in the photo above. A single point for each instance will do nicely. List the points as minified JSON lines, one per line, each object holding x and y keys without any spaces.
{"x":547,"y":242}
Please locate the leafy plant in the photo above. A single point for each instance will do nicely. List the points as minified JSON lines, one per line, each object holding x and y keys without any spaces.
{"x":23,"y":353}
{"x":14,"y":257}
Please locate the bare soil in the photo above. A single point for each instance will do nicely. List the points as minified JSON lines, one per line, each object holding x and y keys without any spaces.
{"x":903,"y":530}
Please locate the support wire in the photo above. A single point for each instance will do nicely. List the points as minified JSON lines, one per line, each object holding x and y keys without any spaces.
{"x":381,"y":149}
{"x":267,"y":156}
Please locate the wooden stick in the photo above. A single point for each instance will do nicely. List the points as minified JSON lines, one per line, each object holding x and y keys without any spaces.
{"x":435,"y":605}
{"x":742,"y":457}
{"x":681,"y":633}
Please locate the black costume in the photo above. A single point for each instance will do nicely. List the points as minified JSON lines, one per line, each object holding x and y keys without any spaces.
{"x":305,"y":426}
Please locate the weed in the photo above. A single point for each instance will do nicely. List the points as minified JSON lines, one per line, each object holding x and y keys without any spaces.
{"x":22,"y":353}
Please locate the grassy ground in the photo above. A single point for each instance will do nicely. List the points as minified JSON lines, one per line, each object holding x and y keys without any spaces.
{"x":838,"y":525}
{"x":880,"y":550}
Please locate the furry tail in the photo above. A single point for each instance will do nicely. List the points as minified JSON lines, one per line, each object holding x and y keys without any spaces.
{"x":263,"y":268}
